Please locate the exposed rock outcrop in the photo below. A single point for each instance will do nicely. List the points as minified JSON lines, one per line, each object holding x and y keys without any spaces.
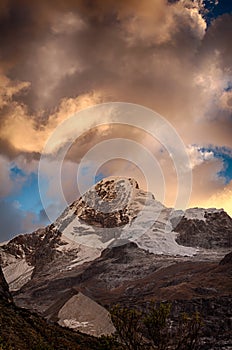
{"x":4,"y":289}
{"x":214,"y":230}
{"x":227,"y":260}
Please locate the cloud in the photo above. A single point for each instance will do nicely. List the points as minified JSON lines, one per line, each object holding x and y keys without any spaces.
{"x":58,"y":57}
{"x":5,"y":180}
{"x":105,"y":45}
{"x":9,"y":225}
{"x":147,"y":53}
{"x":17,"y":120}
{"x":9,"y":89}
{"x":221,"y":199}
{"x":13,"y":174}
{"x":198,"y":156}
{"x":226,"y":101}
{"x":67,"y":23}
{"x":14,"y":220}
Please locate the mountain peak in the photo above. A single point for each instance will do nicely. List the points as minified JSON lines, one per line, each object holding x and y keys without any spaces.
{"x":117,"y":179}
{"x":106,"y":204}
{"x":108,"y":211}
{"x":116,"y":211}
{"x":110,"y":194}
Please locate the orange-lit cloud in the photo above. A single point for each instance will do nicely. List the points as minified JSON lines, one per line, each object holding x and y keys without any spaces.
{"x":220,"y":199}
{"x":23,"y":131}
{"x":60,"y":57}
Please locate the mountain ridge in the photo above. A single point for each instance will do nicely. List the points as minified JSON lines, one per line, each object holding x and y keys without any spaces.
{"x":74,"y":239}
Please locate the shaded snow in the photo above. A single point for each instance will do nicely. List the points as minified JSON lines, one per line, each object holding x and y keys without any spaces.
{"x":160,"y":239}
{"x":84,"y":253}
{"x":3,"y":243}
{"x":17,"y":273}
{"x":83,"y":314}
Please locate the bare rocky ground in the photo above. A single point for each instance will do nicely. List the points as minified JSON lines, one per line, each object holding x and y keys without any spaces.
{"x":130,"y":276}
{"x":21,"y":329}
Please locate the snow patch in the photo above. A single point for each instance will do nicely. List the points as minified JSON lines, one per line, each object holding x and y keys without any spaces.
{"x":199,"y":213}
{"x":160,"y":239}
{"x":83,"y":314}
{"x":3,"y":243}
{"x":70,"y":323}
{"x":84,"y":253}
{"x":17,"y":273}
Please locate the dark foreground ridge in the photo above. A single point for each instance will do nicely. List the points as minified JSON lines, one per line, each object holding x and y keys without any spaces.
{"x":4,"y":288}
{"x":21,"y":329}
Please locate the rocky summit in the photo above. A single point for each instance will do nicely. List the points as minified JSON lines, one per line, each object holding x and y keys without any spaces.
{"x":118,"y":244}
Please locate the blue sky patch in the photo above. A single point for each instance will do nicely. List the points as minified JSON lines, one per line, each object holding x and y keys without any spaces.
{"x":28,"y":198}
{"x":99,"y":177}
{"x":16,"y":172}
{"x":225,"y":155}
{"x":215,"y":9}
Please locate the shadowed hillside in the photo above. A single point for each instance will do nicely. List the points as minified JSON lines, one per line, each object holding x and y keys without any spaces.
{"x":22,"y":330}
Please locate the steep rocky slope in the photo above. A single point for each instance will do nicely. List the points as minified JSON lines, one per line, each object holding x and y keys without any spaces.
{"x":227,"y":260}
{"x":210,"y":229}
{"x":22,"y":330}
{"x":4,"y":288}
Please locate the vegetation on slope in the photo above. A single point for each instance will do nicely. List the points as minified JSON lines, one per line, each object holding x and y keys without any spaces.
{"x":22,"y":330}
{"x":153,"y":329}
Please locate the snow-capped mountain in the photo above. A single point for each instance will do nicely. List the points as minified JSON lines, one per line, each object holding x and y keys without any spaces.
{"x":117,"y":243}
{"x":111,"y":213}
{"x":116,"y":211}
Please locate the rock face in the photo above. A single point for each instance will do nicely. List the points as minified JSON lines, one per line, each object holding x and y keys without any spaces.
{"x":227,"y":260}
{"x":116,"y":211}
{"x":25,"y":254}
{"x":213,"y":229}
{"x":4,"y":289}
{"x":107,"y":204}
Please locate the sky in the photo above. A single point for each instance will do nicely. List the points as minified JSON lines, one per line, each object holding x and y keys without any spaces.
{"x":59,"y":57}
